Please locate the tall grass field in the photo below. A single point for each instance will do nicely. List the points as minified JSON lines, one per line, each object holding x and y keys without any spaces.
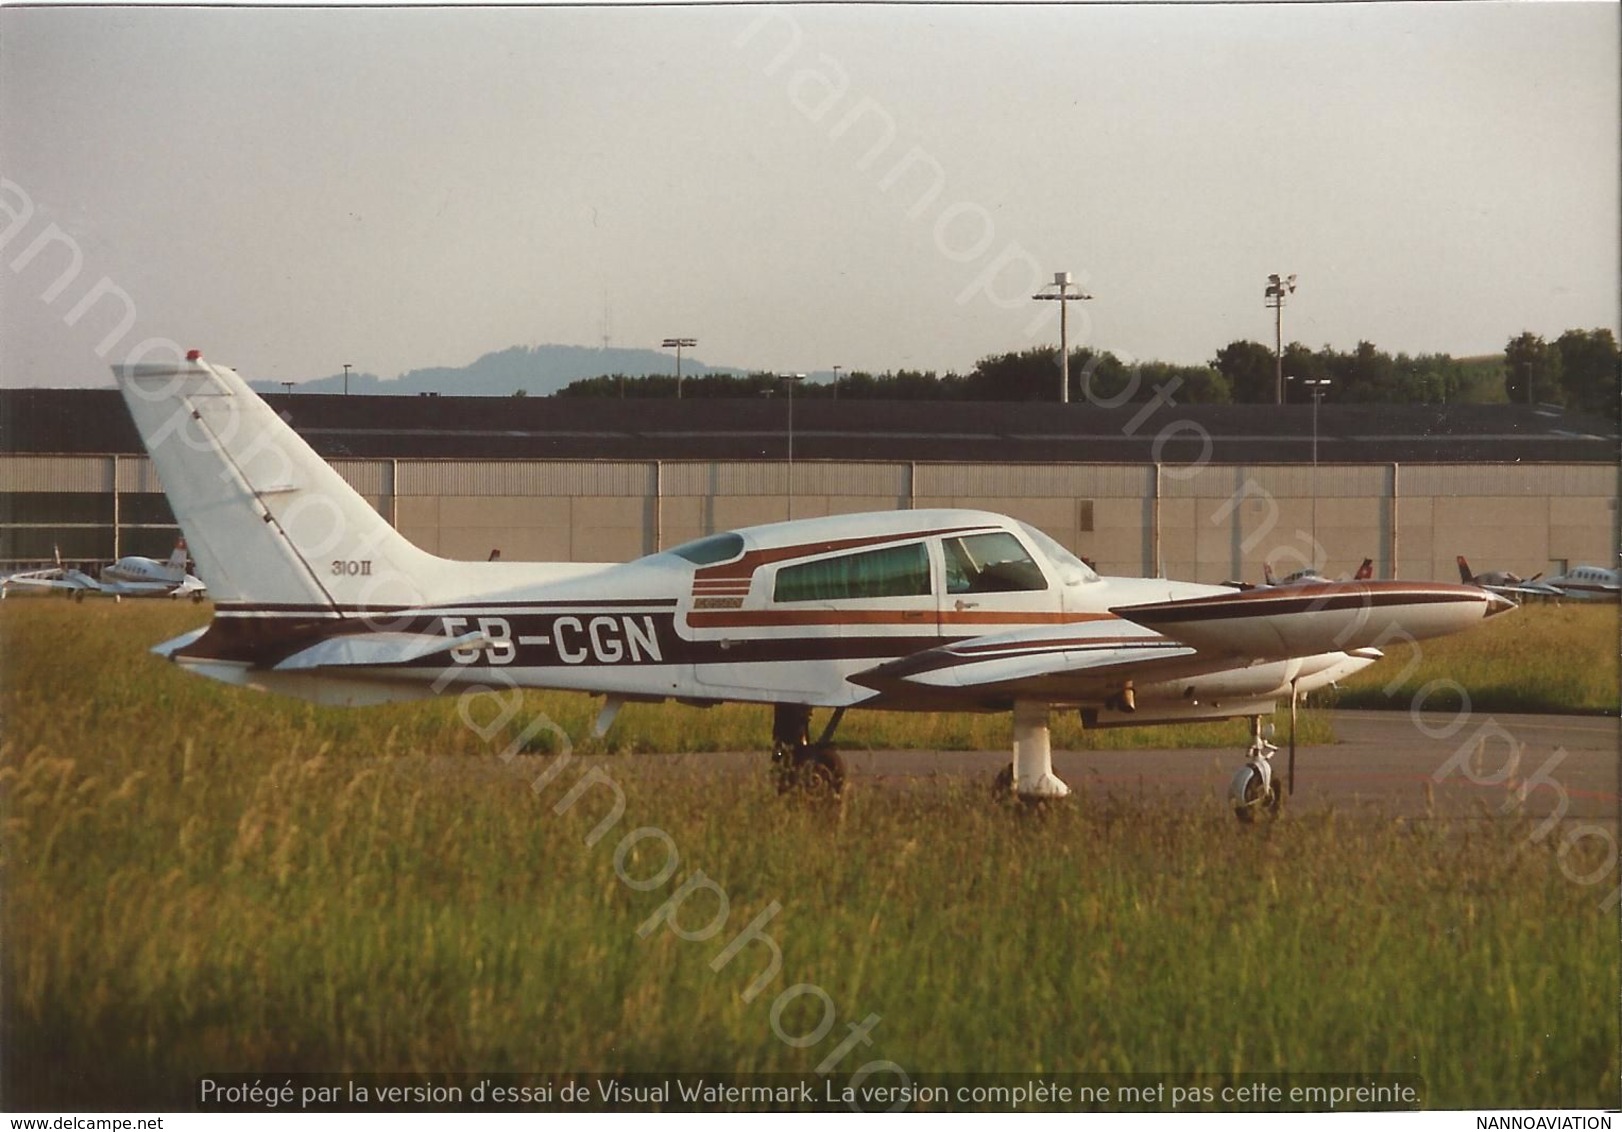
{"x":204,"y":880}
{"x":1540,"y":658}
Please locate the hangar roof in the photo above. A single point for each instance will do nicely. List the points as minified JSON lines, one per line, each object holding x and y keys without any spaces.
{"x":95,"y":420}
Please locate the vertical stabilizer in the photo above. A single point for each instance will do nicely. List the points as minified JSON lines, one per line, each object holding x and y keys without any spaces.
{"x":266,"y":519}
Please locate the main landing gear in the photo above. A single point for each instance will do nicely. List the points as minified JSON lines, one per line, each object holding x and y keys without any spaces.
{"x":1030,"y":775}
{"x":798,"y":763}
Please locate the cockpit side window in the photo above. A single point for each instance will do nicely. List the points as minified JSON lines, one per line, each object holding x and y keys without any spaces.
{"x":990,"y":563}
{"x":895,"y":571}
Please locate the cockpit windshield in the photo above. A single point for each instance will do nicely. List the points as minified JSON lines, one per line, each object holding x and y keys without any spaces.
{"x":1058,"y":555}
{"x":710,"y":549}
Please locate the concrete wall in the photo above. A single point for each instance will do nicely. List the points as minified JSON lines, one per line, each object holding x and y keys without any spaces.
{"x":1207,"y":523}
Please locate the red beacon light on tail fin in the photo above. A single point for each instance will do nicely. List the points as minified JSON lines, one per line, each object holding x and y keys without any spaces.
{"x":193,"y":355}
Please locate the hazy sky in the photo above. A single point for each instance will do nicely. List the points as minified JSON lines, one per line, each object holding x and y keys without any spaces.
{"x":869,"y":186}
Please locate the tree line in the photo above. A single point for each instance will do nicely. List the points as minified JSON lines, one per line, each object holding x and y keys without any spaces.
{"x":1578,"y":370}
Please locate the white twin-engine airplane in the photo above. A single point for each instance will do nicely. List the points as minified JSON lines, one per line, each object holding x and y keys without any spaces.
{"x":1588,"y":583}
{"x":317,"y":596}
{"x":131,"y":576}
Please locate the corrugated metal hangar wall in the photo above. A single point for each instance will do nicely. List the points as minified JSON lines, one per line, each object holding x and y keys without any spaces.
{"x":1206,"y":523}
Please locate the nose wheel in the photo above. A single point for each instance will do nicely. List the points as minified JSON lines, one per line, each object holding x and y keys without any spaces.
{"x":1255,"y":791}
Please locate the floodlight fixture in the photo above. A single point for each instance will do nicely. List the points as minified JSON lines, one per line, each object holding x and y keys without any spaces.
{"x":1277,"y":288}
{"x":679,"y":344}
{"x":1064,"y":296}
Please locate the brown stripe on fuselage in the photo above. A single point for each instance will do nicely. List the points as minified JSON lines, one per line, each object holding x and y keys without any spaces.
{"x":264,"y":641}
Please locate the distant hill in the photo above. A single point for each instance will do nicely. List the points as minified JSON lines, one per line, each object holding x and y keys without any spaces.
{"x":537,"y":370}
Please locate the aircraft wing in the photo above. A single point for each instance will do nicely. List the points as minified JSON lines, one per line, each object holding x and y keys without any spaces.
{"x":1075,"y":662}
{"x":1092,"y":660}
{"x":191,"y":584}
{"x":1524,"y":589}
{"x":68,"y":581}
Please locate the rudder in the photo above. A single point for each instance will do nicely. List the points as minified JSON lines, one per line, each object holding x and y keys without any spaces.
{"x":267,"y":521}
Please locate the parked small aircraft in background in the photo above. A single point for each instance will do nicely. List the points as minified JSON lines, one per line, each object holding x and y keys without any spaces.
{"x":1365,"y":572}
{"x":130,"y":576}
{"x":52,"y":579}
{"x":1506,"y":583}
{"x":1587,"y":583}
{"x":317,"y":596}
{"x":1310,"y":575}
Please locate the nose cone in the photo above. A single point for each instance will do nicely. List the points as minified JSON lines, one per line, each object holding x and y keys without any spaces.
{"x":1496,"y":604}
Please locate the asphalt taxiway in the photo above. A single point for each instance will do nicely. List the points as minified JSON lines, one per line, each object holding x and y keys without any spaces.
{"x":1385,"y":763}
{"x":1397,"y":763}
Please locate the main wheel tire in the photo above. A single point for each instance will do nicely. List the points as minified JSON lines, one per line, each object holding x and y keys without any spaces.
{"x":815,"y":769}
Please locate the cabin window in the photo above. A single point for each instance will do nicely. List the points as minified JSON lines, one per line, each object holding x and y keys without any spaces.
{"x":895,"y":571}
{"x":993,"y":563}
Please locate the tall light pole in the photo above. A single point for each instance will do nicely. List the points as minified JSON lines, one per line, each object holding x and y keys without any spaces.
{"x":836,"y":381}
{"x":1277,"y":288}
{"x":1064,"y":297}
{"x":1317,"y":386}
{"x":679,"y":344}
{"x":288,"y":386}
{"x":347,"y":368}
{"x":792,"y":379}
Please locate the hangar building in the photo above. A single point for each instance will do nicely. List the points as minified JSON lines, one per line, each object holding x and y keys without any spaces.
{"x":1204,"y":493}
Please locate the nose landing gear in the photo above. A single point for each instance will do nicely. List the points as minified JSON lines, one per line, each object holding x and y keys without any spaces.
{"x":1255,"y":791}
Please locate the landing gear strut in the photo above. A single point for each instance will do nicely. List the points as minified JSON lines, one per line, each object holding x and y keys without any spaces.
{"x":1030,"y":775}
{"x":798,"y":763}
{"x":1255,"y":790}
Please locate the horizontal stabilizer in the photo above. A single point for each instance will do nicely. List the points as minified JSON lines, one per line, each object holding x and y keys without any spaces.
{"x":366,"y":650}
{"x":168,"y":648}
